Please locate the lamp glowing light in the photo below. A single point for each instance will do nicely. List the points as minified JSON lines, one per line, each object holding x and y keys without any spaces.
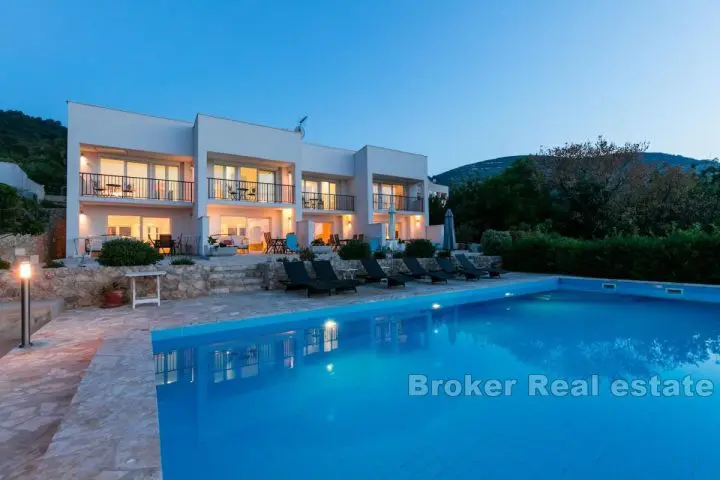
{"x":25,"y":271}
{"x":83,"y":160}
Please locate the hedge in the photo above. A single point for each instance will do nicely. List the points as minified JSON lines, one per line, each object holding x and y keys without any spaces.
{"x":127,"y":252}
{"x":683,"y":256}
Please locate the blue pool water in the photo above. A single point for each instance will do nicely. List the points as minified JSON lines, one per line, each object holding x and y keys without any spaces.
{"x":328,"y":396}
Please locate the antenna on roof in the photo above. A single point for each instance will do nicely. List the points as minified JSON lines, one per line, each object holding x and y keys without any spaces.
{"x":300,"y":128}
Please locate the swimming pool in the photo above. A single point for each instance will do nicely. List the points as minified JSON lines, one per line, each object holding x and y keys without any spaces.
{"x":340,"y":393}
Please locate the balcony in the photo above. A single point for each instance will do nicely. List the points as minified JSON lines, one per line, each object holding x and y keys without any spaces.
{"x":402,"y":203}
{"x":256,"y":192}
{"x":138,"y":188}
{"x":328,"y":201}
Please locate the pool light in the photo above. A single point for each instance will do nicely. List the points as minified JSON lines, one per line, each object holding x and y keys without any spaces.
{"x":329,"y":367}
{"x":330,"y":323}
{"x":435,"y":306}
{"x":508,"y":294}
{"x":436,"y":330}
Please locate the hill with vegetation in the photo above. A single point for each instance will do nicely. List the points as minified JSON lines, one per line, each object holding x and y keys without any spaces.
{"x":495,"y":166}
{"x":37,"y":145}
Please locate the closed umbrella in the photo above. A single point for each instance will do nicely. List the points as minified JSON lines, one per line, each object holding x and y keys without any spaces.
{"x":449,"y":231}
{"x":391,"y":222}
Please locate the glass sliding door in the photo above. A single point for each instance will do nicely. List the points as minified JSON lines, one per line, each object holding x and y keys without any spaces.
{"x":266,"y":186}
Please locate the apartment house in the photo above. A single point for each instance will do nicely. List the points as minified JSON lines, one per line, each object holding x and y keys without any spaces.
{"x":143,"y":176}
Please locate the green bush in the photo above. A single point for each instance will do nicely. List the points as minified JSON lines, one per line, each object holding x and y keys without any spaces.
{"x":182,"y":261}
{"x":683,"y":256}
{"x":379,"y":254}
{"x":306,"y":255}
{"x":419,"y":248}
{"x":495,"y":242}
{"x":127,"y":252}
{"x":4,"y":265}
{"x":354,"y":250}
{"x":54,"y":264}
{"x":443,"y":253}
{"x":318,"y":242}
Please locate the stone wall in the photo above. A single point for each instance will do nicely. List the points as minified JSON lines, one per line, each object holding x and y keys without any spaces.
{"x":83,"y":286}
{"x":33,"y":245}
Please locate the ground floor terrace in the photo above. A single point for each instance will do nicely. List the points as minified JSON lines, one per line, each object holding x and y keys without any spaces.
{"x":81,"y":403}
{"x":177,"y":229}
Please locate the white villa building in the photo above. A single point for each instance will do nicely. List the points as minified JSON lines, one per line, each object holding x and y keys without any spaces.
{"x":141,"y":176}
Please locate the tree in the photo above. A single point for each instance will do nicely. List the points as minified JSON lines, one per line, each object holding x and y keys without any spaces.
{"x":19,"y":215}
{"x":437,"y":208}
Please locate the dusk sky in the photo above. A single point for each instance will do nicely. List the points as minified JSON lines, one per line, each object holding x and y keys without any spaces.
{"x":458,"y":81}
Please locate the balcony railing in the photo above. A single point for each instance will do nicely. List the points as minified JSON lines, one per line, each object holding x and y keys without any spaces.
{"x":408,"y":204}
{"x":328,"y":201}
{"x":120,"y":186}
{"x":243,"y":191}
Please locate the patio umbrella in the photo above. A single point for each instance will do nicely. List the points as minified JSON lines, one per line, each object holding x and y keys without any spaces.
{"x":391,"y":221}
{"x":449,"y":231}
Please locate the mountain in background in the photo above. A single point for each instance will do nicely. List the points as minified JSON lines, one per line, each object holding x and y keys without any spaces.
{"x":37,"y":145}
{"x":489,"y":168}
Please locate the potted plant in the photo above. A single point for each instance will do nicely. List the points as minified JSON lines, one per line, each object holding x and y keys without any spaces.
{"x":318,"y":246}
{"x":113,"y":295}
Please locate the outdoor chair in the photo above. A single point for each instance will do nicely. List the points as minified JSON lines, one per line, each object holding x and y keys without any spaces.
{"x":325,"y":273}
{"x":468,"y":266}
{"x":417,"y":271}
{"x":298,"y":279}
{"x":447,"y":267}
{"x":375,"y":273}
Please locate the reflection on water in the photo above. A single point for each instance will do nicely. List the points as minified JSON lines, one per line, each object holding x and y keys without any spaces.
{"x":328,"y":397}
{"x":661,"y":337}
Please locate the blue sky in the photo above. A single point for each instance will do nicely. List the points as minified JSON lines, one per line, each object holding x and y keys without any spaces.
{"x":459,"y":81}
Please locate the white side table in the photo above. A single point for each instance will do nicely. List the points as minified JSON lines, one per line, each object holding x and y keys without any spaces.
{"x":140,"y":301}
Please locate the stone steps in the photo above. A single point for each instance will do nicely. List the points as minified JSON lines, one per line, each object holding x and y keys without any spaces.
{"x":234,"y":279}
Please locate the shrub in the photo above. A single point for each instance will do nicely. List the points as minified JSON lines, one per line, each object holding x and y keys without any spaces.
{"x":379,"y":254}
{"x":182,"y":261}
{"x":466,"y":233}
{"x":494,"y":242}
{"x":443,"y":253}
{"x":318,"y":242}
{"x":54,"y":264}
{"x":397,"y":255}
{"x":4,"y":265}
{"x":419,"y":248}
{"x":127,"y":252}
{"x":354,"y":250}
{"x":682,"y":256}
{"x":306,"y":255}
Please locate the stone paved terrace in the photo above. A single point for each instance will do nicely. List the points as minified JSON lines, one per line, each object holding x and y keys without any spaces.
{"x":92,"y":370}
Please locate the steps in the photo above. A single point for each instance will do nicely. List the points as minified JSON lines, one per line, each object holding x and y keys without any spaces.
{"x":235,"y":278}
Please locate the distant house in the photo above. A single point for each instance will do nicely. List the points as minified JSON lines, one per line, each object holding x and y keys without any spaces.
{"x":11,"y":174}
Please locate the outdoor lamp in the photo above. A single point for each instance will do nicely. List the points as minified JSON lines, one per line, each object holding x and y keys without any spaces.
{"x":25,"y":273}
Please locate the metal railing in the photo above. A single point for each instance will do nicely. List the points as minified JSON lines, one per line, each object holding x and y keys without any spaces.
{"x":328,"y":201}
{"x":120,"y":186}
{"x":408,"y":204}
{"x":244,"y":191}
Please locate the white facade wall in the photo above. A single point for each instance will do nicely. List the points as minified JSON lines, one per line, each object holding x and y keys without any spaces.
{"x":209,"y":137}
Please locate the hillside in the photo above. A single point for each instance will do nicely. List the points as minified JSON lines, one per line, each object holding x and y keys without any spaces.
{"x":37,"y":145}
{"x":488,"y":168}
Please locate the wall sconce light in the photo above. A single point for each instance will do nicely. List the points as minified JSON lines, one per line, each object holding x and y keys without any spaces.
{"x":349,"y":224}
{"x":83,"y":160}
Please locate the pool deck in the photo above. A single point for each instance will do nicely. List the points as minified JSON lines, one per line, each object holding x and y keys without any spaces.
{"x":81,"y":403}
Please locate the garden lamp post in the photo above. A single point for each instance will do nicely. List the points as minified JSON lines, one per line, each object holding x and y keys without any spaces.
{"x":25,"y":274}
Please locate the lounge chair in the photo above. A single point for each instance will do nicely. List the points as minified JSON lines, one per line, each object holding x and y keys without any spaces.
{"x":447,"y":267}
{"x":467,"y":266}
{"x":325,"y":273}
{"x":375,"y":273}
{"x":417,"y":271}
{"x":291,"y":243}
{"x":300,"y":280}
